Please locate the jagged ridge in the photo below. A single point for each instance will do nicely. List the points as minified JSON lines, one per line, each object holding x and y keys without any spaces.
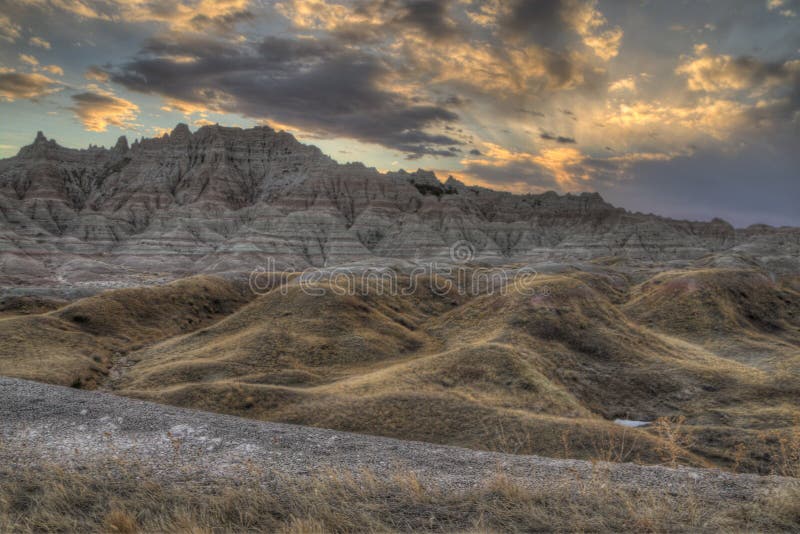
{"x":222,"y":199}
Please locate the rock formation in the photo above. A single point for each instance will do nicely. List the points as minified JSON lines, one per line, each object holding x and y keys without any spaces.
{"x":225,"y":199}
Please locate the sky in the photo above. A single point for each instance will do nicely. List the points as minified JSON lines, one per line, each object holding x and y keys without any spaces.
{"x":687,"y":109}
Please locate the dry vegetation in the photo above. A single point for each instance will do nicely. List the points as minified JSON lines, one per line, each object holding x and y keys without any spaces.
{"x":123,"y":497}
{"x":712,"y":354}
{"x":77,"y":344}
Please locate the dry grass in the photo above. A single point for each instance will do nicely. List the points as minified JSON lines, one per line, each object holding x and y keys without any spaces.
{"x":75,"y":345}
{"x":513,"y":373}
{"x":123,"y":498}
{"x":28,"y":305}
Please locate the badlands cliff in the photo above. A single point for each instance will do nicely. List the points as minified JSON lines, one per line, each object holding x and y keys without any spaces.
{"x":225,"y":199}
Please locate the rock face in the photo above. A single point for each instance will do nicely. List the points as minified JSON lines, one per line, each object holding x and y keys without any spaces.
{"x":225,"y":199}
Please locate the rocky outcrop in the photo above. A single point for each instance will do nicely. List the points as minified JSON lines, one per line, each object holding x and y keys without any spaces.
{"x":225,"y":199}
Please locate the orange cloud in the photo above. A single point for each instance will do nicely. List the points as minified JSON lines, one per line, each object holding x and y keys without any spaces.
{"x":179,"y":15}
{"x":560,"y":162}
{"x":28,"y":59}
{"x":9,"y":31}
{"x":623,"y":84}
{"x":324,"y":15}
{"x":39,"y":42}
{"x":53,"y":69}
{"x":208,"y":101}
{"x":678,"y":123}
{"x":98,"y":109}
{"x":95,"y":74}
{"x":716,"y":73}
{"x":589,"y":23}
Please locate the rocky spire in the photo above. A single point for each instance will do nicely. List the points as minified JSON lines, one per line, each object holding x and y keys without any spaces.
{"x":40,"y":146}
{"x":122,"y":145}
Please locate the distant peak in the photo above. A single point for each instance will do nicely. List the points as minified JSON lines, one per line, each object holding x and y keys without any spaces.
{"x":40,"y":146}
{"x":453,"y":182}
{"x":421,"y":176}
{"x":181,"y":131}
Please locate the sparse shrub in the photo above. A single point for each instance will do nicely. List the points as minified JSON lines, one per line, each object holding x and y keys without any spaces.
{"x":674,"y":439}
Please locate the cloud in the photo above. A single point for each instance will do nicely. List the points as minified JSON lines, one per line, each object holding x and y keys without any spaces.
{"x":9,"y":31}
{"x":716,"y":73}
{"x":98,"y":109}
{"x":32,"y":86}
{"x":623,"y":84}
{"x":96,"y":74}
{"x":557,"y":138}
{"x":369,"y":19}
{"x":550,"y":167}
{"x":554,"y":23}
{"x":563,"y":163}
{"x":757,"y":94}
{"x":562,"y":168}
{"x":28,"y":59}
{"x":178,"y":15}
{"x":781,"y":6}
{"x":53,"y":69}
{"x":428,"y":16}
{"x":673,"y":123}
{"x":39,"y":42}
{"x":431,"y":42}
{"x":31,"y":61}
{"x":320,"y":86}
{"x":543,"y":20}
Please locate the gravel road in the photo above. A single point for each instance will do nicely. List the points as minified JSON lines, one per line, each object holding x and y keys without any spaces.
{"x":40,"y":422}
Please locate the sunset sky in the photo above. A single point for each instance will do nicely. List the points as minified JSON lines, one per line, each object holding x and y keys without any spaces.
{"x":688,"y":109}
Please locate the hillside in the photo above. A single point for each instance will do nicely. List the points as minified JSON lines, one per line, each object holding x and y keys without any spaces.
{"x":541,"y":371}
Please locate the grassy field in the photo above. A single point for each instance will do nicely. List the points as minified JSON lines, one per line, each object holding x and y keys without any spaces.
{"x":711,"y":355}
{"x":125,"y":498}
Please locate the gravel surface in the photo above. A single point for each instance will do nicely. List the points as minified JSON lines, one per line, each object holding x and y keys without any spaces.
{"x":41,"y":422}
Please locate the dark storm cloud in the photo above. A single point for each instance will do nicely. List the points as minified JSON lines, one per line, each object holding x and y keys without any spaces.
{"x":541,"y":21}
{"x":317,"y":85}
{"x":557,"y":138}
{"x":429,"y":16}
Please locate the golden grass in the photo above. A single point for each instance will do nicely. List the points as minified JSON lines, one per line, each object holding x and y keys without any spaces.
{"x":126,"y":498}
{"x":74,"y":345}
{"x":512,"y":372}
